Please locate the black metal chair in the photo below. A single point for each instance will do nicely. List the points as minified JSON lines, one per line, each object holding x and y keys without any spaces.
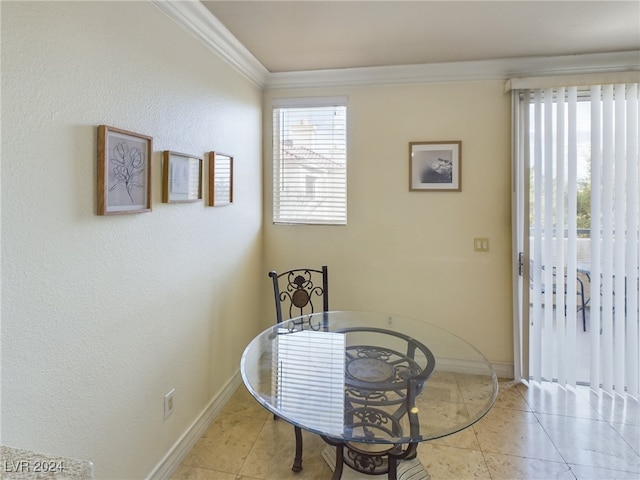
{"x":298,"y":292}
{"x":583,"y":301}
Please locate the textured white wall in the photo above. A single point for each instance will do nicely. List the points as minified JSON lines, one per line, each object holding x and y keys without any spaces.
{"x":101,"y":316}
{"x":408,"y":252}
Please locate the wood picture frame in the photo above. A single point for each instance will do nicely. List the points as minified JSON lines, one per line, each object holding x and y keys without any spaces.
{"x":181,"y":177}
{"x":435,"y":166}
{"x":220,"y":179}
{"x":124,"y":171}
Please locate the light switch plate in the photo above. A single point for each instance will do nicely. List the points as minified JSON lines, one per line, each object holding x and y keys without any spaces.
{"x":481,"y":245}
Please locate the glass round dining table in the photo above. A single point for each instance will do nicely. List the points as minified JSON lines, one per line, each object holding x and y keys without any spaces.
{"x":372,"y":385}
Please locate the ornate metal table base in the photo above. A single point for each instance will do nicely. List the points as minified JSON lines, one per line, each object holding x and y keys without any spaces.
{"x":381,"y":385}
{"x":406,"y":469}
{"x":358,"y":379}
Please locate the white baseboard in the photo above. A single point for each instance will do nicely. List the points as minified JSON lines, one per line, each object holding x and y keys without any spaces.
{"x":503,"y":370}
{"x":474,"y":367}
{"x":174,"y":457}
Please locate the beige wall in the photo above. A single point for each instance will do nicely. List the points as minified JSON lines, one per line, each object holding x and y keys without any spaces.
{"x":411,"y":253}
{"x":101,"y":316}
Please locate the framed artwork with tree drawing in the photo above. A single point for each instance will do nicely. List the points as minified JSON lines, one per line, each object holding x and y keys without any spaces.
{"x":124,"y":171}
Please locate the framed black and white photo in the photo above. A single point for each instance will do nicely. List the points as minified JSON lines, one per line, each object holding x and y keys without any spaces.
{"x":181,"y":177}
{"x":124,"y":171}
{"x":220,"y":179}
{"x":435,"y":166}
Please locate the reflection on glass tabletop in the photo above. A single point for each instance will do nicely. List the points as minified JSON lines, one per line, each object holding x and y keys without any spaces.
{"x":369,"y":377}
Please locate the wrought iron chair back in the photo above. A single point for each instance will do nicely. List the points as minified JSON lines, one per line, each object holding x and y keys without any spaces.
{"x":299,"y":292}
{"x":582,"y":298}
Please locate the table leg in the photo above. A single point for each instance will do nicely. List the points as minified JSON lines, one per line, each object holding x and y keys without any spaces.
{"x":297,"y":462}
{"x":394,"y":456}
{"x":337,"y":473}
{"x":411,"y":452}
{"x":393,"y":468}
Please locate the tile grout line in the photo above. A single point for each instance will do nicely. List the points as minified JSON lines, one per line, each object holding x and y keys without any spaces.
{"x":599,"y":418}
{"x":475,"y":433}
{"x":535,"y":413}
{"x":253,"y":446}
{"x":580,"y":464}
{"x":484,"y":458}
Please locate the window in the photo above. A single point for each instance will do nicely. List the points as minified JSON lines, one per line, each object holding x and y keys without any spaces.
{"x":310,"y":161}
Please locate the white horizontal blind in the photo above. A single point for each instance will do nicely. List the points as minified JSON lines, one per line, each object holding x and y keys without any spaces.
{"x":310,"y":161}
{"x":308,"y":371}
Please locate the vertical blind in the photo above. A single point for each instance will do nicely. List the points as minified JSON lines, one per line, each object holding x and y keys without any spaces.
{"x":310,"y":161}
{"x":590,"y":269}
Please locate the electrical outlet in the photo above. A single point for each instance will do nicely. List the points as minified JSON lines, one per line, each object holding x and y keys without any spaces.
{"x":168,"y":403}
{"x":480,"y":244}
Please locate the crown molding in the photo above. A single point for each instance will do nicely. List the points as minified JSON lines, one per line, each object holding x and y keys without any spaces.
{"x":501,"y":69}
{"x":207,"y":28}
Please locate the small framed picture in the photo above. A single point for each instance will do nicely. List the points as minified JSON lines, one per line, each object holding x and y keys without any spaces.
{"x":435,"y":166}
{"x":124,"y":171}
{"x":220,"y":179}
{"x":181,"y":177}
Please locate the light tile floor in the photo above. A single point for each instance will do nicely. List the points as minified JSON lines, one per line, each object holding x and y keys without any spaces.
{"x":539,"y":431}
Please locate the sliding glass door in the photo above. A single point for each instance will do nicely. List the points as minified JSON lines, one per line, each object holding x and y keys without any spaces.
{"x":576,"y":211}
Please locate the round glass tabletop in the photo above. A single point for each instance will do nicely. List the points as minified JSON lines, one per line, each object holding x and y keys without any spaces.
{"x":369,"y":377}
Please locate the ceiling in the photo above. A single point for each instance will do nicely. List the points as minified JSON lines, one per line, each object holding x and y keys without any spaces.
{"x":293,"y":36}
